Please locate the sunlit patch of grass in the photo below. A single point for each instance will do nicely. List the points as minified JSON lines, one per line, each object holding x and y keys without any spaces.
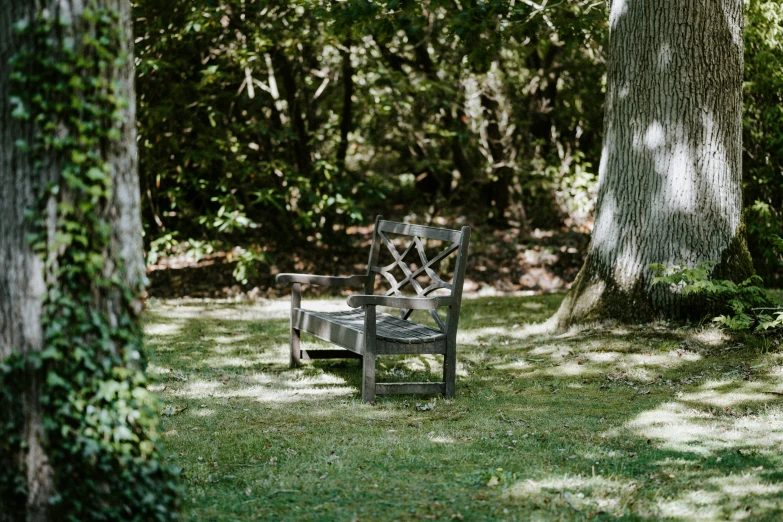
{"x":603,"y":422}
{"x":583,"y":495}
{"x":735,"y":497}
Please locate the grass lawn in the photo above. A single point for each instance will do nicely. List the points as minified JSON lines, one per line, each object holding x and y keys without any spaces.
{"x":603,"y":423}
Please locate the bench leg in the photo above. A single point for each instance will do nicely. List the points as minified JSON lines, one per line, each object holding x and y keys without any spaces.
{"x":450,"y":369}
{"x":368,"y":359}
{"x":296,"y":351}
{"x":294,"y":335}
{"x":368,"y":378}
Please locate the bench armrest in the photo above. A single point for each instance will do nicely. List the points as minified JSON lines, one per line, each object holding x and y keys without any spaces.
{"x":353,"y":280}
{"x":409,"y":303}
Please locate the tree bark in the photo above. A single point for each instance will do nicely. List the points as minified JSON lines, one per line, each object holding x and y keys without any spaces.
{"x":346,"y":118}
{"x":500,"y":184}
{"x":23,"y":280}
{"x":282,"y":65}
{"x":670,"y":173}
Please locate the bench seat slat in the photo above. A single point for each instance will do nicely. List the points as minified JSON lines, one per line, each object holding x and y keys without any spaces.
{"x":346,"y":328}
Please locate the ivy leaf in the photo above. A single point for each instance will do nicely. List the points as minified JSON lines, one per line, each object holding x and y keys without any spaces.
{"x":53,"y":380}
{"x":78,"y":157}
{"x":96,"y":174}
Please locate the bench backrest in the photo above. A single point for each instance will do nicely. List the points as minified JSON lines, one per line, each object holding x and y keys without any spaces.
{"x":453,"y":243}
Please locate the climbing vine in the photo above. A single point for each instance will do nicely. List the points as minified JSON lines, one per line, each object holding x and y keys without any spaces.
{"x":99,"y":420}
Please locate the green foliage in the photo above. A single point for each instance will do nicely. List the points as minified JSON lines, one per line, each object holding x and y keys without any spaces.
{"x":488,"y":108}
{"x":740,"y":307}
{"x":250,"y":141}
{"x":12,"y":477}
{"x":763,"y":135}
{"x":99,"y":420}
{"x":227,"y":155}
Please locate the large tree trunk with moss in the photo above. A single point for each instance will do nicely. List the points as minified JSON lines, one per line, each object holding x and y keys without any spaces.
{"x":670,"y":173}
{"x":71,"y":268}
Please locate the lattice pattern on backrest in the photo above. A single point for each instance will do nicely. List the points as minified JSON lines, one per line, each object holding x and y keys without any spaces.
{"x":412,"y":266}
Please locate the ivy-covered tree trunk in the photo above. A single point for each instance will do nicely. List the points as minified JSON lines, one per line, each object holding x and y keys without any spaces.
{"x":670,"y":174}
{"x":77,"y":426}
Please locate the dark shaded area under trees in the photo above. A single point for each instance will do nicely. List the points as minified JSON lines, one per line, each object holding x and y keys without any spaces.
{"x":266,"y":123}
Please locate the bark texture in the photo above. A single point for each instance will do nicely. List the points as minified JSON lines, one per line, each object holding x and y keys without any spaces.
{"x":23,"y":282}
{"x":670,"y":172}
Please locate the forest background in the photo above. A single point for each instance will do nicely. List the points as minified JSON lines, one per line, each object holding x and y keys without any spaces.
{"x":269,"y":129}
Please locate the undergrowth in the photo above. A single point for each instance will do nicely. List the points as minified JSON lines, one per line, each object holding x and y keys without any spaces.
{"x":744,"y":306}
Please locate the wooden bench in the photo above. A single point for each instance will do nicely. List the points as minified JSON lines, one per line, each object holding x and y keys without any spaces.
{"x":364,"y":333}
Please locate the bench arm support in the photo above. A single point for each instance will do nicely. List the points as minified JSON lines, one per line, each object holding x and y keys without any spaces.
{"x":404,"y":303}
{"x":307,"y":279}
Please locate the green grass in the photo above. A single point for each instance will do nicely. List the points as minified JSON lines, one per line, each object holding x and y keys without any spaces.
{"x":602,"y":423}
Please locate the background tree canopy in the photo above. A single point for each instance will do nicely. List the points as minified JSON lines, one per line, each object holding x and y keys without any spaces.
{"x":263,"y":123}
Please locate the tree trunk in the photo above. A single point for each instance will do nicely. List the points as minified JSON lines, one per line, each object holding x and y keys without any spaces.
{"x":670,"y":173}
{"x":501,"y":183}
{"x":346,"y":118}
{"x":282,"y":65}
{"x":28,"y":276}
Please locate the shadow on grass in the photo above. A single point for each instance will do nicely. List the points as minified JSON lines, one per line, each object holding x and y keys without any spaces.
{"x":640,"y":423}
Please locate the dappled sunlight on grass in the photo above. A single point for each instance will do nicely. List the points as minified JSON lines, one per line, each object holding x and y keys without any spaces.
{"x":161,"y":329}
{"x":228,"y":339}
{"x":711,"y":335}
{"x":564,"y":360}
{"x":227,"y":356}
{"x":441,"y":439}
{"x":587,"y":494}
{"x":518,"y":332}
{"x":736,"y":497}
{"x":748,"y":393}
{"x":260,"y":393}
{"x":714,"y":418}
{"x":639,"y":422}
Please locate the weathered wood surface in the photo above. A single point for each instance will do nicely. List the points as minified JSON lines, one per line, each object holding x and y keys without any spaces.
{"x":337,"y":281}
{"x":368,"y":359}
{"x":324,"y":328}
{"x":419,"y":230}
{"x":345,"y":326}
{"x":399,"y":388}
{"x":450,"y":360}
{"x":367,"y":333}
{"x":411,"y":303}
{"x":294,"y":336}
